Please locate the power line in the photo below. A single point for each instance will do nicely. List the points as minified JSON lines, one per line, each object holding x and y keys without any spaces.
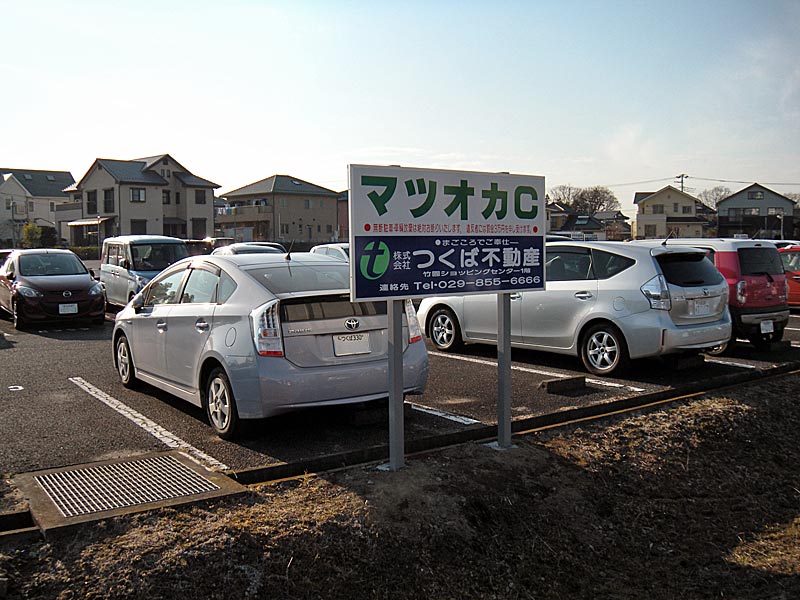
{"x":609,"y":185}
{"x":736,"y":181}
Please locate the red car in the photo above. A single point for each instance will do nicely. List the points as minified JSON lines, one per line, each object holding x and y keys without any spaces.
{"x":790,"y":257}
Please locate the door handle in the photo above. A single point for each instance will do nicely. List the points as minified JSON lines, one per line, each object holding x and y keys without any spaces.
{"x":161,"y":325}
{"x":515,"y":296}
{"x":201,"y":325}
{"x":583,"y":295}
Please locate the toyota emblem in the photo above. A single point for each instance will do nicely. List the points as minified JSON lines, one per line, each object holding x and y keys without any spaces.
{"x":352,"y":324}
{"x":67,"y":294}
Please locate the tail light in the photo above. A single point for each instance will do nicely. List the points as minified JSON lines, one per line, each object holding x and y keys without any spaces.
{"x":414,"y":331}
{"x":267,"y":329}
{"x":741,"y":292}
{"x":657,"y":293}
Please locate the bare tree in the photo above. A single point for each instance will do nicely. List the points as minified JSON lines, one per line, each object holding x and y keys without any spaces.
{"x":563,"y":193}
{"x":714,"y":195}
{"x":594,"y":199}
{"x":793,"y":196}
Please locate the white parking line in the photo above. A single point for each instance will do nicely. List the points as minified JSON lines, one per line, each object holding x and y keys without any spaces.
{"x":536,"y":371}
{"x":791,"y":328}
{"x":444,"y":415}
{"x":151,"y":427}
{"x":730,"y":363}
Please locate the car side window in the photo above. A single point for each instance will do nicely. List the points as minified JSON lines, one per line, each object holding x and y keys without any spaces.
{"x":569,"y":264}
{"x":608,"y":264}
{"x":226,"y":287}
{"x":165,"y":289}
{"x":201,"y":287}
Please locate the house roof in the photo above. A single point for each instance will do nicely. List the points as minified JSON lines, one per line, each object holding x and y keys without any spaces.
{"x":639,"y":196}
{"x":131,"y":171}
{"x":42,"y":184}
{"x":560,"y":207}
{"x":281,"y":184}
{"x":610,"y":215}
{"x":581,"y":223}
{"x":190,"y":180}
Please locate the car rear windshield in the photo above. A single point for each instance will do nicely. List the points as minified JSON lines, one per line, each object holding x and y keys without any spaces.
{"x":332,"y":307}
{"x":34,"y":265}
{"x":288,"y":278}
{"x":688,"y":270}
{"x":760,"y":261}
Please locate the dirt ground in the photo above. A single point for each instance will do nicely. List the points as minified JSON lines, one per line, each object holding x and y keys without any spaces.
{"x":700,"y":499}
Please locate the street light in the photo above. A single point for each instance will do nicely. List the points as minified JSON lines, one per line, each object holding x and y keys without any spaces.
{"x":780,"y":217}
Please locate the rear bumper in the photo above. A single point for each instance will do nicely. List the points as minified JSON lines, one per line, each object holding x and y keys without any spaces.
{"x":266,"y":386}
{"x":747,"y":322}
{"x":653,"y":333}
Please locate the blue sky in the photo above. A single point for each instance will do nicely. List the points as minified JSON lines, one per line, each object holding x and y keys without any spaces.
{"x":584,"y":93}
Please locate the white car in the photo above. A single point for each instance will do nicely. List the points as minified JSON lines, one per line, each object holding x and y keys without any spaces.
{"x":605,"y":302}
{"x":339,"y":250}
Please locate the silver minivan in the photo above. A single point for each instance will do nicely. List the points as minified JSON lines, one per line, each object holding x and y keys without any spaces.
{"x":128,"y":262}
{"x":606,"y":302}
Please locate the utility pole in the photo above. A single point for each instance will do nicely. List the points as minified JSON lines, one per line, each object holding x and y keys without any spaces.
{"x":682,"y":177}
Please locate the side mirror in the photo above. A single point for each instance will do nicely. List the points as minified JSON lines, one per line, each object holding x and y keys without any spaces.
{"x":137,"y":303}
{"x":125,"y":263}
{"x":11,"y":276}
{"x":92,"y":274}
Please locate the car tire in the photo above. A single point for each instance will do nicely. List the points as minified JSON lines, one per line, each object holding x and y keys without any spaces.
{"x":445,"y":332}
{"x":604,"y":350}
{"x":124,"y":359}
{"x":221,"y":405}
{"x":19,"y":321}
{"x":762,"y":341}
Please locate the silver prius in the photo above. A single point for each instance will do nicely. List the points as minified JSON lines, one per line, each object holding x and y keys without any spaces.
{"x":606,"y":302}
{"x":253,"y":335}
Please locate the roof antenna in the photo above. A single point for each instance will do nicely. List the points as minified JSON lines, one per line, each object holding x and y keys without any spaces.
{"x":289,"y":251}
{"x":669,"y":235}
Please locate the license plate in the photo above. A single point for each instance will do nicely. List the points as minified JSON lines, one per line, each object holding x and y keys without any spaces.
{"x":67,"y":309}
{"x":767,"y":327}
{"x":347,"y":344}
{"x":702,"y":307}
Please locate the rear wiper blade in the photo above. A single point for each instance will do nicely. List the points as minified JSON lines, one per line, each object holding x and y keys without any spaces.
{"x":764,"y":273}
{"x":694,"y":282}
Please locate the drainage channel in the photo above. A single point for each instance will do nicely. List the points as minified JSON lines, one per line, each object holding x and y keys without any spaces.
{"x":64,"y":498}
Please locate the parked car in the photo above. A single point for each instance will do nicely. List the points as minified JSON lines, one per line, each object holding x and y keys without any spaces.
{"x":128,"y":262}
{"x":782,"y":243}
{"x":4,"y":254}
{"x":790,"y":257}
{"x":41,"y":285}
{"x":606,"y":302}
{"x":277,"y":245}
{"x":339,"y":250}
{"x":757,"y":283}
{"x":248,"y":248}
{"x":248,"y":336}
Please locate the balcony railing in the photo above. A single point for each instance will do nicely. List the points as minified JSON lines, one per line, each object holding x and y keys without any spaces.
{"x":243,"y":213}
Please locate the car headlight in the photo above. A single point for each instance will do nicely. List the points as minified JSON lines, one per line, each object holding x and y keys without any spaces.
{"x":29,"y":292}
{"x":96,"y":290}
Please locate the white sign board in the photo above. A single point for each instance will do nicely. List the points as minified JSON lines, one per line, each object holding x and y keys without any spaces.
{"x":423,"y":232}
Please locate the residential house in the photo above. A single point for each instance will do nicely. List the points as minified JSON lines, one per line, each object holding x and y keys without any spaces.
{"x":153,"y":195}
{"x":757,"y":212}
{"x":615,"y":224}
{"x":558,"y":213}
{"x":669,"y":212}
{"x":30,"y":196}
{"x":281,"y":208}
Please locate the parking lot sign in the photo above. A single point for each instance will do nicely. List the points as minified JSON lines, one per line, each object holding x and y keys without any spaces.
{"x":422,"y":232}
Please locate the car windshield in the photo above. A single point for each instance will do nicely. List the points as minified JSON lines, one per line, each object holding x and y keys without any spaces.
{"x":35,"y":265}
{"x":286,"y":278}
{"x":155,"y":256}
{"x":760,"y":261}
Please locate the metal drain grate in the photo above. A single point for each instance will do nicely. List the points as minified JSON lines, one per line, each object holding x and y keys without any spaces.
{"x":119,"y":485}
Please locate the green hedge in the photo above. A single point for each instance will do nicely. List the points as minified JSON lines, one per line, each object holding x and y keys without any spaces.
{"x":86,"y":252}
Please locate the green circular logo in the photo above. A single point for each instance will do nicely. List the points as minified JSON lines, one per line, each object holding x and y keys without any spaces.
{"x":375,"y":260}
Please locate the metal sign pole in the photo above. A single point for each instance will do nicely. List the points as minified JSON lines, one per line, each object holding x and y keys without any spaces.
{"x":396,"y":414}
{"x":504,"y":370}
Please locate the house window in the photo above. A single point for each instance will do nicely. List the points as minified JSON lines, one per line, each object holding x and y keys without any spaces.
{"x":30,"y":206}
{"x":328,"y":228}
{"x":658,"y":209}
{"x":50,"y":178}
{"x":675,"y":207}
{"x":687,"y":210}
{"x":177,"y":197}
{"x":52,"y":207}
{"x":306,"y":203}
{"x":8,"y":203}
{"x":198,"y":228}
{"x":164,"y":161}
{"x":165,"y":197}
{"x":284,"y":228}
{"x":649,"y":231}
{"x":775,"y":210}
{"x":755,"y":195}
{"x":108,"y":200}
{"x":200,"y":197}
{"x":169,"y":173}
{"x":138,"y":226}
{"x":162,"y":172}
{"x":91,"y":202}
{"x":319,"y":228}
{"x":750,"y":212}
{"x":137,"y":195}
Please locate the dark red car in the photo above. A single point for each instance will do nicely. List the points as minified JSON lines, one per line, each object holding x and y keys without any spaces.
{"x":49,"y":285}
{"x":790,"y":256}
